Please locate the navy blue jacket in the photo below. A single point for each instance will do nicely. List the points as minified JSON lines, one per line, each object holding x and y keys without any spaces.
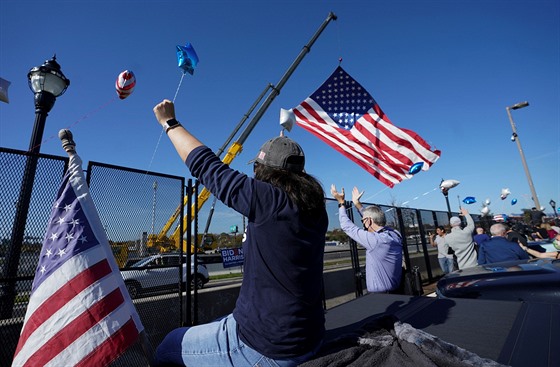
{"x":279,"y":309}
{"x":499,"y":249}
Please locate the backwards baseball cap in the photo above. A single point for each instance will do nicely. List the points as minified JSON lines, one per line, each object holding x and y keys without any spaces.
{"x":455,"y":221}
{"x":282,"y":153}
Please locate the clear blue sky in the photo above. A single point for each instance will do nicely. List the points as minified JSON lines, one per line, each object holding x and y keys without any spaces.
{"x":444,"y":69}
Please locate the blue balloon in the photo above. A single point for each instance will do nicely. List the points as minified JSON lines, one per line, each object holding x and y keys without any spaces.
{"x":513,"y":201}
{"x":187,"y":58}
{"x":415,"y":168}
{"x":469,"y":200}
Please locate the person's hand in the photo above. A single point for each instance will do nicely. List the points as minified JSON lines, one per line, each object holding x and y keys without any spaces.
{"x":164,"y":111}
{"x":464,"y":211}
{"x":339,"y":196}
{"x":356,"y":195}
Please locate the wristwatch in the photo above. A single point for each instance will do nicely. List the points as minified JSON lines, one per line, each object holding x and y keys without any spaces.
{"x":340,"y":205}
{"x":171,"y":124}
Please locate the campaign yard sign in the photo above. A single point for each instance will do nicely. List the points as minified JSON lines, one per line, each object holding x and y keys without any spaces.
{"x":232,"y":257}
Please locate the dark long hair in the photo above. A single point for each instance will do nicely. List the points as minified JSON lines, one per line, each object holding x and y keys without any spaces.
{"x":305,"y":191}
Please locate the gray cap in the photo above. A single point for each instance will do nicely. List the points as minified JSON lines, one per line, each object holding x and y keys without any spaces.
{"x":282,"y":153}
{"x":455,"y":221}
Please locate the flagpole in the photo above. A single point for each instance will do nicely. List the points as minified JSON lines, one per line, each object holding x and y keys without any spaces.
{"x":69,"y":145}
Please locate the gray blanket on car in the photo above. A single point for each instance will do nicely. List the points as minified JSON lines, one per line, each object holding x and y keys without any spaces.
{"x":398,"y":344}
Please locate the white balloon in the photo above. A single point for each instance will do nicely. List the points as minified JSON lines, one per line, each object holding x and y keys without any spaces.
{"x":485,"y":211}
{"x":447,"y":184}
{"x":287,"y":119}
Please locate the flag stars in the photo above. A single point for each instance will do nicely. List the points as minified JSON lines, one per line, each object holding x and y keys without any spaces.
{"x":67,"y":207}
{"x":54,"y":236}
{"x":74,"y":222}
{"x":69,"y":237}
{"x":60,"y":221}
{"x":61,"y":252}
{"x":43,"y":269}
{"x":48,"y":253}
{"x":82,"y":239}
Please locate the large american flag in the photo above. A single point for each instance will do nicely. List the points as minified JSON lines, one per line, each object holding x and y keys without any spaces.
{"x":79,"y":312}
{"x":345,"y":116}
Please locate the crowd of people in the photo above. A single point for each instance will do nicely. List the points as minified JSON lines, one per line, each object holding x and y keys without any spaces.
{"x":278,"y":318}
{"x":507,"y":241}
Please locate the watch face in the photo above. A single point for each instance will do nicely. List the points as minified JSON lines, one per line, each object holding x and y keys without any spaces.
{"x":172,"y":122}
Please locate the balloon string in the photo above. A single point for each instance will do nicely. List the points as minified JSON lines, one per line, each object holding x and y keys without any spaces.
{"x":87,"y":115}
{"x":155,"y":150}
{"x":178,"y":87}
{"x":161,"y":133}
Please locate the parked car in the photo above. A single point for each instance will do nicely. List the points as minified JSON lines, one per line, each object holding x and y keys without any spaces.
{"x":536,"y":280}
{"x":160,"y":273}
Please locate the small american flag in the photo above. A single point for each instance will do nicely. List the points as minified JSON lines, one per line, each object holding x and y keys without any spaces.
{"x":346,"y":117}
{"x":79,"y":312}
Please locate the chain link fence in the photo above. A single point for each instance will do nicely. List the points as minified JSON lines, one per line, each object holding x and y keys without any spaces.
{"x":140,"y":212}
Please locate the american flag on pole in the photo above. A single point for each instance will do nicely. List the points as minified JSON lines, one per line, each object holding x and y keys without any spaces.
{"x":345,"y":116}
{"x":79,"y":312}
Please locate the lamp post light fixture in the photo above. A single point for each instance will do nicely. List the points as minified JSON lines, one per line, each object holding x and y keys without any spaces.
{"x":47,"y":82}
{"x":515,"y":137}
{"x":553,"y":205}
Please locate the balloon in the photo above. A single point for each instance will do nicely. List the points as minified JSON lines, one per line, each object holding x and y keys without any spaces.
{"x":505,"y":193}
{"x":447,"y":184}
{"x":187,"y":58}
{"x":485,"y":211}
{"x":469,"y":200}
{"x":125,"y":83}
{"x":556,"y":244}
{"x":415,"y":168}
{"x":513,"y":201}
{"x":487,"y":202}
{"x":287,"y":119}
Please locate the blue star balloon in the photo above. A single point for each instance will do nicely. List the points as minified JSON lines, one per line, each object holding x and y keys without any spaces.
{"x":469,"y":200}
{"x":187,"y":58}
{"x":513,"y":201}
{"x":415,"y":168}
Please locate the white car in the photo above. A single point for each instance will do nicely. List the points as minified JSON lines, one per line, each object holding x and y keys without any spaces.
{"x":161,"y":272}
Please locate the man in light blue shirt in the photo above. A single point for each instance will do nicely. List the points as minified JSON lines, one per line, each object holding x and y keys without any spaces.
{"x":383,"y":244}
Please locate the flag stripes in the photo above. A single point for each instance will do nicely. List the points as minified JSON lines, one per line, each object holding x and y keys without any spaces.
{"x":345,"y":116}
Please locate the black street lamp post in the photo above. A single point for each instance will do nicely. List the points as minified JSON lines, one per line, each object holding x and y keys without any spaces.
{"x":47,"y":82}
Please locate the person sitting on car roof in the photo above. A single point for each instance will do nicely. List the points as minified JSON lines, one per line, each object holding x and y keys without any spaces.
{"x":544,"y":255}
{"x":278,"y":319}
{"x":498,"y":248}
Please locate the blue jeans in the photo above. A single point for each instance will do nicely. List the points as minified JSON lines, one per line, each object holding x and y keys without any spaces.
{"x":446,"y":264}
{"x":216,"y":344}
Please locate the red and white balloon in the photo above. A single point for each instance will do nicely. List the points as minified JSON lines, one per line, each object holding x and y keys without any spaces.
{"x":125,"y":83}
